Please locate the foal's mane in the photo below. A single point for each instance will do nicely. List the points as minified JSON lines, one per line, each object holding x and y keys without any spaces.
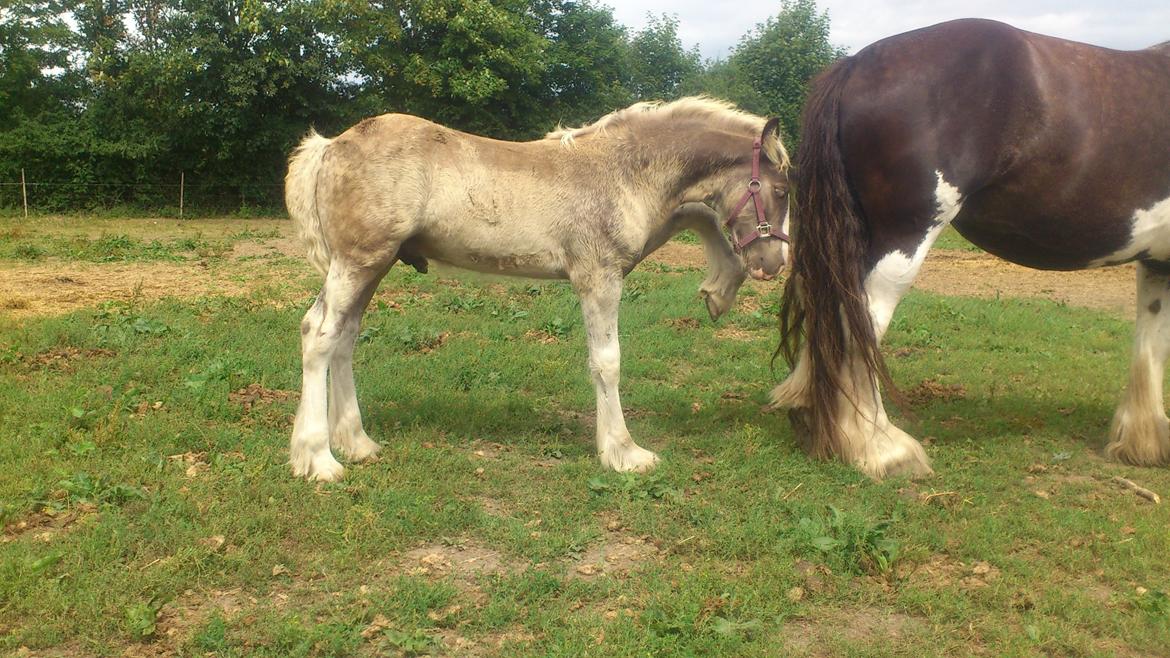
{"x":712,"y":112}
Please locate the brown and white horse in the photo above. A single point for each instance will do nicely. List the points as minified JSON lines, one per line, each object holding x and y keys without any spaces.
{"x":585,"y":205}
{"x":1048,"y":153}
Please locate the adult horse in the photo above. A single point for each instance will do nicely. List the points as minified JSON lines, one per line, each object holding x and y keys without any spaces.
{"x":585,"y":205}
{"x":1048,"y":153}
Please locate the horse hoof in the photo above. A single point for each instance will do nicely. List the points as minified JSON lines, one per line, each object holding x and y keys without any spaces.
{"x":319,"y":467}
{"x":630,"y":459}
{"x":360,"y":448}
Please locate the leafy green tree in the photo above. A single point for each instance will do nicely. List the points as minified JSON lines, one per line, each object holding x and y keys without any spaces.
{"x":776,"y":60}
{"x":659,"y":65}
{"x":34,"y":56}
{"x":588,"y":63}
{"x":464,"y":63}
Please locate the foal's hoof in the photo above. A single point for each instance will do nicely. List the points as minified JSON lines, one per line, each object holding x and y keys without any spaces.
{"x":629,"y":459}
{"x":360,"y":448}
{"x":319,"y":467}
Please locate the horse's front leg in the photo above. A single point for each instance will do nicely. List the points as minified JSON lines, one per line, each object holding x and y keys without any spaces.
{"x":600,"y":294}
{"x":1140,"y":433}
{"x":725,"y":275}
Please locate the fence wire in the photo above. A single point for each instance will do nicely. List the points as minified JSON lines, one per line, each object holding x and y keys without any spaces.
{"x":197,"y":197}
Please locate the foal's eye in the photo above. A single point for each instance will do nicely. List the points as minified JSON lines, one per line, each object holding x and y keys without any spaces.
{"x":780,"y":193}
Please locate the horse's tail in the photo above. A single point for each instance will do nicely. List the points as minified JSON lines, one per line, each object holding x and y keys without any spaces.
{"x":300,"y":196}
{"x":824,"y":308}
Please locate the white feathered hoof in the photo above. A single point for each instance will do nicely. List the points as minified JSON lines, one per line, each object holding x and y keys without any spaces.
{"x":1139,"y":439}
{"x":629,"y":458}
{"x":359,"y":448}
{"x":319,"y":466}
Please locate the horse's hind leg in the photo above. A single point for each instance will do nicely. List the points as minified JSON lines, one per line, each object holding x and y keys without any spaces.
{"x":345,"y":418}
{"x":600,"y":294}
{"x":1140,"y":433}
{"x":329,"y":324}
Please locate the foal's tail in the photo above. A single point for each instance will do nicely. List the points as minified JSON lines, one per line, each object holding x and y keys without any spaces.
{"x":300,"y":195}
{"x":824,"y":308}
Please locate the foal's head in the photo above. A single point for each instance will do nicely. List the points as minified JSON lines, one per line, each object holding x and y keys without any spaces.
{"x":752,"y":198}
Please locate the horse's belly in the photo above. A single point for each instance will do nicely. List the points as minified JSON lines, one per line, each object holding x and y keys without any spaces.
{"x":1070,"y":243}
{"x":532,"y":267}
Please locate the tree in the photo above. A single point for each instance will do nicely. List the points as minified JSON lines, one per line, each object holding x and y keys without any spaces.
{"x":659,"y":66}
{"x":776,"y":61}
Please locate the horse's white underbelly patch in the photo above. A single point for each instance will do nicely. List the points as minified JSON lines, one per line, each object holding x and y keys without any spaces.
{"x":889,"y":280}
{"x":1149,"y":233}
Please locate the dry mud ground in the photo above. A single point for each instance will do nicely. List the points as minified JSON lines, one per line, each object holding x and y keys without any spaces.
{"x":265,"y":256}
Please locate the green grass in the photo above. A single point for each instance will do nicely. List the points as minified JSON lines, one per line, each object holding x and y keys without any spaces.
{"x":950,"y":239}
{"x":159,"y":514}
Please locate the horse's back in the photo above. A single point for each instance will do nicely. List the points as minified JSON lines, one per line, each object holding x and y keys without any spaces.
{"x":1052,"y":144}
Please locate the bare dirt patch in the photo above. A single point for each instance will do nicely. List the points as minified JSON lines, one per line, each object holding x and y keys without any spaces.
{"x":732,"y":332}
{"x":54,"y":287}
{"x":254,"y":394}
{"x":63,"y":358}
{"x":45,"y":525}
{"x":858,"y":626}
{"x":942,"y":571}
{"x":462,"y":562}
{"x":28,"y":290}
{"x":976,"y":274}
{"x":617,"y":556}
{"x":679,"y":255}
{"x":180,"y":619}
{"x":930,"y":390}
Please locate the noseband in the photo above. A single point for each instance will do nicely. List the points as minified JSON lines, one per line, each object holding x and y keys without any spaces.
{"x":763,"y":228}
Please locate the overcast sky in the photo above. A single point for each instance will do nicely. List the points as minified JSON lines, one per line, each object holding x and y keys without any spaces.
{"x":717,"y":25}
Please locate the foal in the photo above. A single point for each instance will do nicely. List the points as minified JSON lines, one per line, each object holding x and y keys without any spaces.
{"x":585,"y":205}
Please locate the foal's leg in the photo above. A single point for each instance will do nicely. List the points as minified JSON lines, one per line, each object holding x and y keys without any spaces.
{"x":600,"y":295}
{"x":1140,"y":433}
{"x":345,"y":418}
{"x":726,"y":269}
{"x":325,"y":326}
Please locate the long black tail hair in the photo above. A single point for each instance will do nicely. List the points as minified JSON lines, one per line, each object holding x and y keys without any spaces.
{"x":824,"y":307}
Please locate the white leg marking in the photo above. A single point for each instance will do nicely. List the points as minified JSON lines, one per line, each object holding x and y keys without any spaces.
{"x":869,"y":440}
{"x":793,"y":391}
{"x":1140,"y":433}
{"x":345,"y":418}
{"x":600,"y":296}
{"x":321,"y":332}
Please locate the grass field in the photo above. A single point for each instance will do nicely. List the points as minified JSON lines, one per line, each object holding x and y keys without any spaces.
{"x":147,"y":508}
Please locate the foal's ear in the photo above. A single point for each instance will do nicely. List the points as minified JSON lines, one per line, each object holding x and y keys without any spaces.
{"x":772,"y":126}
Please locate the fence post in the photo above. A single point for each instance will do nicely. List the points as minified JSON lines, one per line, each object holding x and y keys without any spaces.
{"x":23,"y":193}
{"x":182,"y":184}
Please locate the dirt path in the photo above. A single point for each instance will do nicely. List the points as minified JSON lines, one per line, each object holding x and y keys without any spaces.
{"x":256,"y":260}
{"x":976,"y":274}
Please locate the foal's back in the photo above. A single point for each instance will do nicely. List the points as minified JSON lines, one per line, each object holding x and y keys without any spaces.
{"x":473,"y":202}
